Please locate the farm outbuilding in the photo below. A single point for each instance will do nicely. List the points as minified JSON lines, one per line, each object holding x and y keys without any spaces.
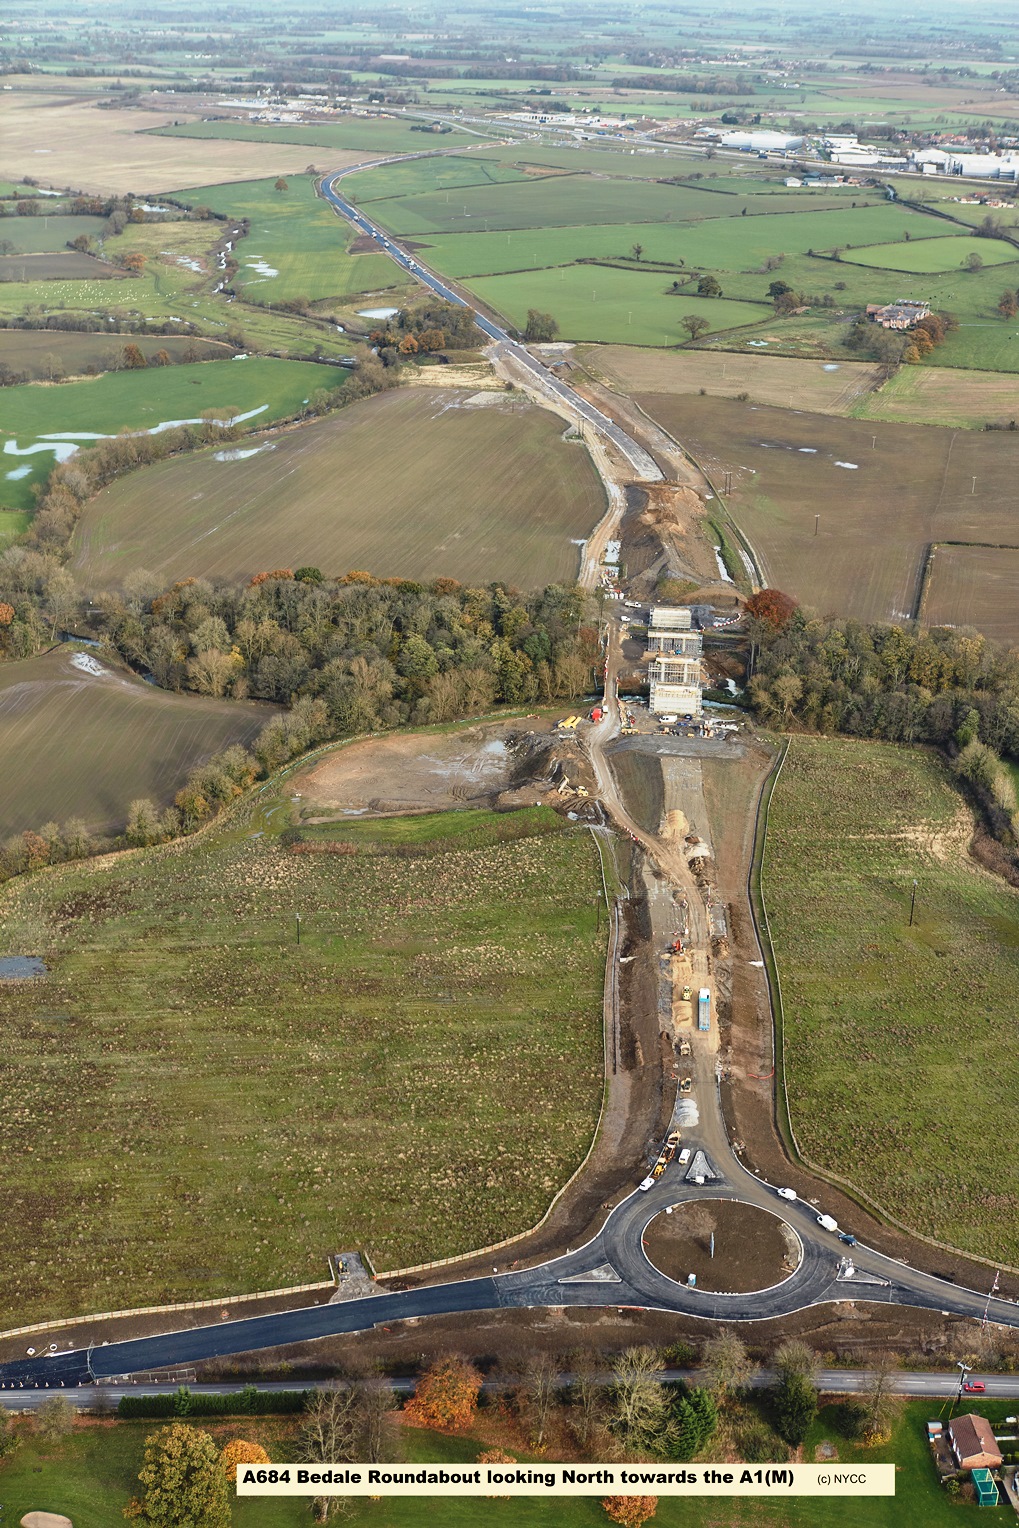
{"x":973,"y":1444}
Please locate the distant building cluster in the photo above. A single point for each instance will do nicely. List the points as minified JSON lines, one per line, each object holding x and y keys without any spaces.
{"x":976,"y":165}
{"x":674,"y":666}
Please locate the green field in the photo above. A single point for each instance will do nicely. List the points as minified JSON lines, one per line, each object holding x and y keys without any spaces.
{"x":932,"y":395}
{"x":47,"y":232}
{"x":32,"y":414}
{"x":94,"y":1472}
{"x":280,"y":1101}
{"x":46,"y":354}
{"x":98,"y":741}
{"x":297,"y":246}
{"x":414,"y":483}
{"x":714,"y":243}
{"x":894,"y":1036}
{"x":372,"y":134}
{"x":604,"y":303}
{"x":947,"y":254}
{"x":578,"y":200}
{"x":181,"y":278}
{"x":414,"y":176}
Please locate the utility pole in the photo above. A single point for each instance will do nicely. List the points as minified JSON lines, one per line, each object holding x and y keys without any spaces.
{"x":912,"y":906}
{"x":298,"y":928}
{"x":817,"y":521}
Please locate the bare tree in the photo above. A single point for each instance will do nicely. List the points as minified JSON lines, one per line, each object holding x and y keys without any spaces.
{"x":728,"y":1366}
{"x":539,"y":1393}
{"x":587,"y":1393}
{"x":344,"y":1421}
{"x":641,"y":1414}
{"x":796,"y":1357}
{"x":878,"y":1397}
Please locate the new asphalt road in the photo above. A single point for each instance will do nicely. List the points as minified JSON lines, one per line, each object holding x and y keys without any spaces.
{"x":643,"y":465}
{"x":611,"y":1270}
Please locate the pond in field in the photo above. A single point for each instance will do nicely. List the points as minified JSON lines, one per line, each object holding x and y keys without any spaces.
{"x":377,"y":312}
{"x":15,"y":968}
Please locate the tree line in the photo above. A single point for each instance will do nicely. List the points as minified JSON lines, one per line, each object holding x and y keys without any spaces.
{"x":344,"y":656}
{"x":945,"y":686}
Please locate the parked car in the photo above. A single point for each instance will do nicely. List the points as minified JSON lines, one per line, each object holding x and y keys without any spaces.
{"x":974,"y":1387}
{"x":649,"y":1182}
{"x":848,"y":1238}
{"x":786,"y":1193}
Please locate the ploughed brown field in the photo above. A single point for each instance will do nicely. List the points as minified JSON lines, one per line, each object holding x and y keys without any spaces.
{"x":412,"y":484}
{"x":975,"y":586}
{"x":98,"y":737}
{"x":881,"y":494}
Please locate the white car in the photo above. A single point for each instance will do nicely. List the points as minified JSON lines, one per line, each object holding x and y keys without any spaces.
{"x":786,"y":1193}
{"x":684,"y":1156}
{"x":649,"y":1182}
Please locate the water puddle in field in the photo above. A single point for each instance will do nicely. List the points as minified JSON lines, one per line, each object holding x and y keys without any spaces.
{"x":262,"y":268}
{"x":832,"y":366}
{"x":239,"y":455}
{"x":377,"y":312}
{"x":807,"y":450}
{"x":88,"y":665}
{"x":723,"y":571}
{"x":19,"y":968}
{"x":849,"y":466}
{"x":64,"y":443}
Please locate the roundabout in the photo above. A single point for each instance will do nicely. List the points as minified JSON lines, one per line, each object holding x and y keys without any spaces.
{"x":724,"y":1246}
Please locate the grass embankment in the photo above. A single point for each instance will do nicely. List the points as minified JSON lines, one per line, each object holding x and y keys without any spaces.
{"x":475,"y":493}
{"x":897,"y":1039}
{"x":417,"y":1078}
{"x":91,"y":1476}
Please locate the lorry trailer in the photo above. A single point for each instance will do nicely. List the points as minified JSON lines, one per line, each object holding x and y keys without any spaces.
{"x":704,"y":1009}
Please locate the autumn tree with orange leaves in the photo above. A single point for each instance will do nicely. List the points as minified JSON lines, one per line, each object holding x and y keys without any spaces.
{"x":630,"y":1511}
{"x":447,"y":1395}
{"x":773,"y":606}
{"x":240,"y":1451}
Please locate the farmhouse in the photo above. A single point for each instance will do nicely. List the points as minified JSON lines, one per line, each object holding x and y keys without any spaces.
{"x":902,"y":314}
{"x":972,"y":1443}
{"x":674,"y":669}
